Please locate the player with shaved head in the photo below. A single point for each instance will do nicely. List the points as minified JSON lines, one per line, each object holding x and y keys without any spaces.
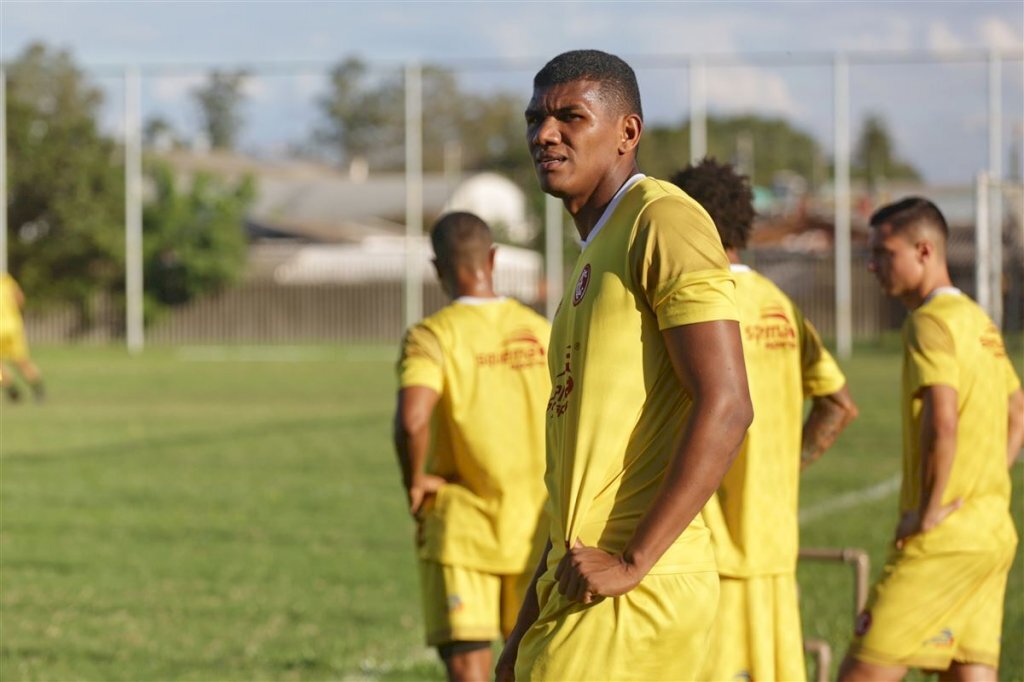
{"x":649,"y":398}
{"x":939,"y":603}
{"x":469,"y":433}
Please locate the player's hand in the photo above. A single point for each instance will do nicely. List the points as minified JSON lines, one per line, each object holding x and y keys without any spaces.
{"x":912,"y":523}
{"x":421,"y":488}
{"x":587,"y":573}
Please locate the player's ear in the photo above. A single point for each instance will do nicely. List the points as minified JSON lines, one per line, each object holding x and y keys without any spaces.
{"x":490,"y":256}
{"x":630,"y":130}
{"x":437,"y":269}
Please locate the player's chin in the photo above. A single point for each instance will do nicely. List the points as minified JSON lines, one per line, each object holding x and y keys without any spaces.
{"x":551,"y":184}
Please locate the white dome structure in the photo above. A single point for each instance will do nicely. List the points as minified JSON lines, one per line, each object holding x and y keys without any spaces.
{"x":498,"y":201}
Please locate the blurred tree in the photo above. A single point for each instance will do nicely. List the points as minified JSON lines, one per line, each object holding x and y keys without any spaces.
{"x":767,"y":144}
{"x":194,"y":242}
{"x":158,"y":133}
{"x":219,"y":101}
{"x":363,"y":118}
{"x":65,"y":183}
{"x":875,"y":159}
{"x":66,"y":200}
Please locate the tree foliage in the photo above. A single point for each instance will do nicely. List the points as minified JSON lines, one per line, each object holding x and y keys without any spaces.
{"x":875,"y":158}
{"x":775,"y":145}
{"x":219,"y":101}
{"x":66,"y":210}
{"x":193,"y":237}
{"x":66,"y":187}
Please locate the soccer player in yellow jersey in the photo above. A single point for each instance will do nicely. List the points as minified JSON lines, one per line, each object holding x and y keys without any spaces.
{"x":13,"y":347}
{"x":469,"y":432}
{"x":753,"y":517}
{"x":649,"y":399}
{"x":939,"y":603}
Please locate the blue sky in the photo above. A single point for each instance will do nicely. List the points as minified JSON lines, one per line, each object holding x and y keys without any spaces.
{"x":937,"y":112}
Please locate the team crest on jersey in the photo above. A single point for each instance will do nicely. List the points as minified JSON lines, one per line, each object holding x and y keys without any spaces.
{"x":863,"y":624}
{"x":581,"y":285}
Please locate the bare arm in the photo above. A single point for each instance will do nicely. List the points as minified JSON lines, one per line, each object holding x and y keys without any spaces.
{"x":828,"y":417}
{"x":412,"y":440}
{"x":939,"y":421}
{"x":505,"y":669}
{"x":1015,"y":434}
{"x":708,"y":362}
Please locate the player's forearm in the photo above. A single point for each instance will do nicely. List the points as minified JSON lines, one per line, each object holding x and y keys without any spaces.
{"x":1015,"y":428}
{"x":938,"y":451}
{"x":411,"y":449}
{"x":828,"y":417}
{"x":712,"y":440}
{"x":530,"y":609}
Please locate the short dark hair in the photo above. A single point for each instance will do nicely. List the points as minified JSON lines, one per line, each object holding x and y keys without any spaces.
{"x":908,"y":213}
{"x":461,"y":237}
{"x":724,"y":194}
{"x":617,"y":79}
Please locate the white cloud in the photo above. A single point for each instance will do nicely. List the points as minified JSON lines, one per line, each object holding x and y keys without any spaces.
{"x":942,"y":38}
{"x":746,"y":88}
{"x":999,"y":34}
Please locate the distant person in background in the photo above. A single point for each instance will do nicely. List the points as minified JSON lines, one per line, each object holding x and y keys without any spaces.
{"x":753,"y":516}
{"x":939,"y":603}
{"x":13,"y":346}
{"x":469,"y":433}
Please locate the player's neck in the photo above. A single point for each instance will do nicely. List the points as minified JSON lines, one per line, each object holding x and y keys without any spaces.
{"x":586,"y":211}
{"x":475,"y":290}
{"x":929,"y":283}
{"x":734,"y":256}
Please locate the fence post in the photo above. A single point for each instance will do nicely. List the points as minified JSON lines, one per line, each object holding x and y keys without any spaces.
{"x":413,"y":194}
{"x":3,"y":170}
{"x":134,"y":333}
{"x":995,"y":190}
{"x":698,"y":110}
{"x":982,"y":244}
{"x":844,"y":312}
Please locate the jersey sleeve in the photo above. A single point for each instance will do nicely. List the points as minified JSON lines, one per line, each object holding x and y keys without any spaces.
{"x":819,"y":372}
{"x":931,"y":355}
{"x":680,"y":266}
{"x":422,"y":361}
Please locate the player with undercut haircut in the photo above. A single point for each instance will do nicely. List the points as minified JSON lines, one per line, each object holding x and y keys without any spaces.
{"x":753,"y":516}
{"x":939,"y":603}
{"x":469,"y":433}
{"x":649,"y":399}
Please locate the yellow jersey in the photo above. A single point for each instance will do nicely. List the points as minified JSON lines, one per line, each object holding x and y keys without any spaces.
{"x":617,"y":409}
{"x":10,"y":312}
{"x":487,"y":359}
{"x":753,"y":516}
{"x":950,"y":341}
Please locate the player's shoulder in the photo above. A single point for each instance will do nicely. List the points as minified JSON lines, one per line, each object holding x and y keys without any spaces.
{"x":659,"y":196}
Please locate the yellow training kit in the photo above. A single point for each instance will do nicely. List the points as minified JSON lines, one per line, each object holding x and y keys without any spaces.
{"x":12,"y":331}
{"x":487,"y":358}
{"x":940,"y":599}
{"x":615,"y":417}
{"x":753,"y":516}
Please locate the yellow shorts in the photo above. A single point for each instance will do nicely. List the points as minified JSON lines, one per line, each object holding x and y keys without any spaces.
{"x":929,"y":610}
{"x":463,"y":605}
{"x":13,"y":345}
{"x":656,"y":631}
{"x":757,"y":632}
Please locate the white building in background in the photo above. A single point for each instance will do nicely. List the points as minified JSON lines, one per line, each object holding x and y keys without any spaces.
{"x":312,"y":223}
{"x":497,"y":200}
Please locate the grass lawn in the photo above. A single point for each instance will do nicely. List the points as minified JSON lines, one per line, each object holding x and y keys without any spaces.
{"x":236,"y":515}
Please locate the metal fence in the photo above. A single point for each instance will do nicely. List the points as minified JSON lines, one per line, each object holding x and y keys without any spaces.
{"x":826,"y":95}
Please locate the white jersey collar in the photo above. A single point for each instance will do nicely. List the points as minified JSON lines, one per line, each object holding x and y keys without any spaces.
{"x":477,"y":300}
{"x":739,"y":267}
{"x":942,"y":291}
{"x":610,"y":208}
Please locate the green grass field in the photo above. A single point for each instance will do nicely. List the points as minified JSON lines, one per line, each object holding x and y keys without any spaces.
{"x":236,"y":515}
